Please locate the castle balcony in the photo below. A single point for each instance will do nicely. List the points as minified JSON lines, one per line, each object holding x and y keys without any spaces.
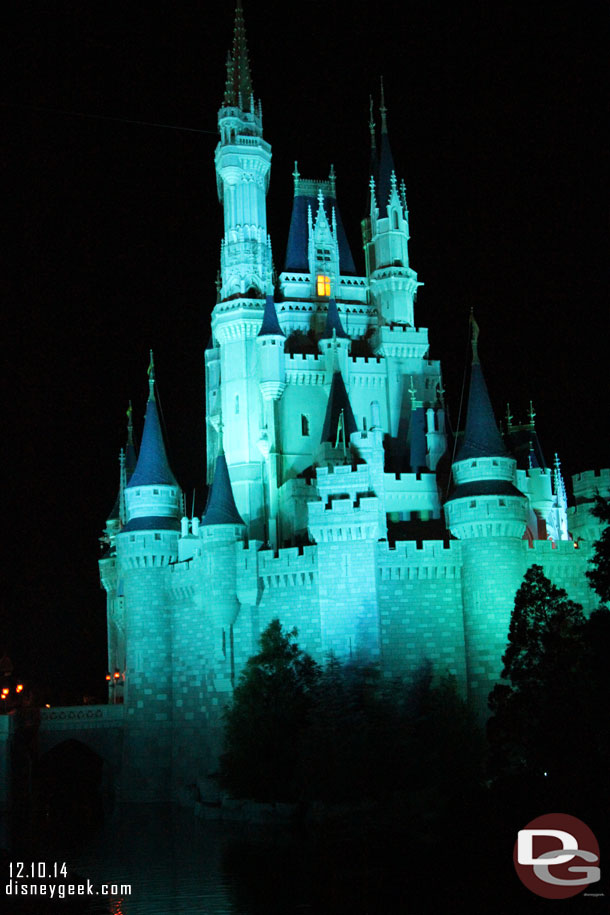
{"x":292,"y":567}
{"x":407,"y":492}
{"x":343,"y":480}
{"x":487,"y":516}
{"x":299,"y":285}
{"x":401,"y":341}
{"x":236,"y":318}
{"x":427,"y":560}
{"x":344,"y":521}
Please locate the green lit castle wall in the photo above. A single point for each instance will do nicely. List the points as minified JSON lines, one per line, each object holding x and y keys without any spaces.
{"x":328,"y":455}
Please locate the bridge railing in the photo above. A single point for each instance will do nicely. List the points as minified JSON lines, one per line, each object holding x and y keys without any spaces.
{"x":82,"y":716}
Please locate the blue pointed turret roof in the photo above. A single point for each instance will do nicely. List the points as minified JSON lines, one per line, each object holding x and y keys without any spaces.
{"x":386,"y":162}
{"x":221,"y":507}
{"x":338,"y":402}
{"x":270,"y":326}
{"x":482,"y":437}
{"x":305,"y":196}
{"x":152,"y":466}
{"x":333,"y":323}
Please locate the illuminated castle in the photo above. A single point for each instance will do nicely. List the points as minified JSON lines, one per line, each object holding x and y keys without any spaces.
{"x":329,"y":462}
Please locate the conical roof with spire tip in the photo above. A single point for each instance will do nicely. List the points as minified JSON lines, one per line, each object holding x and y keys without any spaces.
{"x":482,"y":437}
{"x":152,"y":466}
{"x":238,"y":88}
{"x":386,"y":161}
{"x":333,"y":323}
{"x":270,"y":326}
{"x":221,"y":507}
{"x":129,"y":459}
{"x":338,"y":403}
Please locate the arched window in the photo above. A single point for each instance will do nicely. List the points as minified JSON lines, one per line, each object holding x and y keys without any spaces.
{"x":304,"y":425}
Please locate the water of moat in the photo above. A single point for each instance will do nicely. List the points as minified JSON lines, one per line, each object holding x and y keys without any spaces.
{"x":178,"y":863}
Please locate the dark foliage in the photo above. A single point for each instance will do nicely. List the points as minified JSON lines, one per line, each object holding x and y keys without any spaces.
{"x":344,"y":735}
{"x":548,"y":722}
{"x":271,"y":707}
{"x":599,"y":575}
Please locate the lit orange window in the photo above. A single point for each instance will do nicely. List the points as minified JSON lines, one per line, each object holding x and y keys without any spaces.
{"x":323,"y":285}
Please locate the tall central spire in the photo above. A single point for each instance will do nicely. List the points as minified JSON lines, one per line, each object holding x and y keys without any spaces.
{"x":238,"y":89}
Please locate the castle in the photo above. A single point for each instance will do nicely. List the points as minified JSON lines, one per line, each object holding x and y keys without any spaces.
{"x":338,"y":501}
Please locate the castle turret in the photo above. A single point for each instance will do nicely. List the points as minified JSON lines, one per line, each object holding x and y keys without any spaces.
{"x":272,"y":381}
{"x":243,"y":163}
{"x":488,"y":514}
{"x":386,"y":240}
{"x":146,"y":547}
{"x":221,"y":528}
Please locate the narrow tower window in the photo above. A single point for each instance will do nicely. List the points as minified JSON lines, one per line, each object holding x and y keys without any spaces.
{"x":304,"y":425}
{"x":237,"y":403}
{"x":323,"y":286}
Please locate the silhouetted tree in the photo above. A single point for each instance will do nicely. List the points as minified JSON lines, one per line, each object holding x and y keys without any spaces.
{"x":548,"y":719}
{"x":599,"y":575}
{"x":271,"y":707}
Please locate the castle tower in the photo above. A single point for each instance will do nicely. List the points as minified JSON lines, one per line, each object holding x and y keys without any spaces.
{"x":115,"y":603}
{"x":146,"y":546}
{"x":205,"y":607}
{"x":243,"y":162}
{"x":272,"y":381}
{"x":393,"y":283}
{"x":346,"y":522}
{"x":488,"y":514}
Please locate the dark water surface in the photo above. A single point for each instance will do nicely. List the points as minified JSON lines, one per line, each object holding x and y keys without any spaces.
{"x":176,"y":863}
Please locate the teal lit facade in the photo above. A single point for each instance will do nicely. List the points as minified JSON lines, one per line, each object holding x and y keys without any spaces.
{"x":328,"y":461}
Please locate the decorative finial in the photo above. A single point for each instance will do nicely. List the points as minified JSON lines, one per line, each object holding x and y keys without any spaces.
{"x":333,"y":179}
{"x":151,"y":377}
{"x":383,"y":111}
{"x":509,"y":418}
{"x":412,"y":392}
{"x":403,"y":195}
{"x":532,"y":415}
{"x":296,"y":177}
{"x":475,"y":338}
{"x":372,"y":123}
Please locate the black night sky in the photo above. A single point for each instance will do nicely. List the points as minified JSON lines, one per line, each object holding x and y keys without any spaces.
{"x":496,"y":119}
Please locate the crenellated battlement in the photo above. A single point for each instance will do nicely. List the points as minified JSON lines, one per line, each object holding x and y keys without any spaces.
{"x":589,"y":483}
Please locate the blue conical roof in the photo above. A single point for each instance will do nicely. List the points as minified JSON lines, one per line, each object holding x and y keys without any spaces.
{"x":482,"y":437}
{"x":333,"y":323}
{"x":386,"y":168}
{"x":338,"y":402}
{"x":221,"y":507}
{"x":297,"y":258}
{"x":152,"y":466}
{"x":270,"y":326}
